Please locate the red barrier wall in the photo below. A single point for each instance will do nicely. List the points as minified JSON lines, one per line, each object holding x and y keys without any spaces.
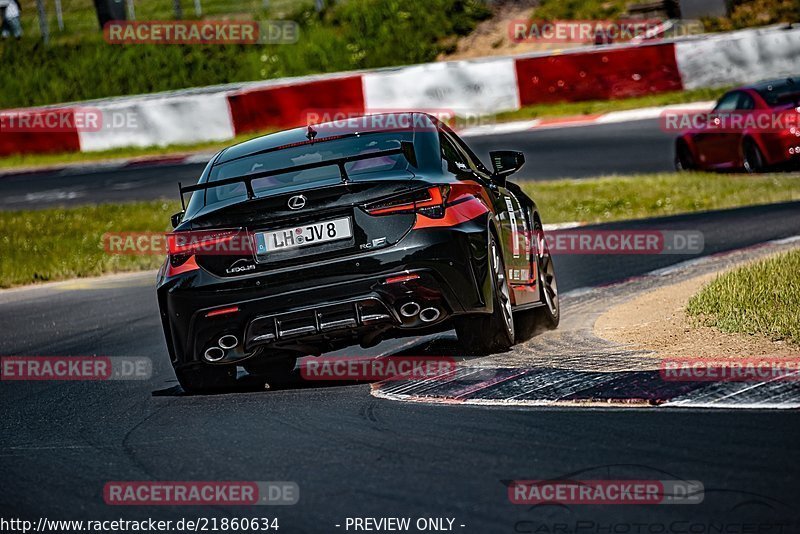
{"x":601,"y":75}
{"x":285,"y":106}
{"x":38,"y":131}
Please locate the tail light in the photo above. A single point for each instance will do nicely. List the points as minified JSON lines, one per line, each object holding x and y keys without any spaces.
{"x":184,"y":246}
{"x":429,"y":202}
{"x":181,"y":264}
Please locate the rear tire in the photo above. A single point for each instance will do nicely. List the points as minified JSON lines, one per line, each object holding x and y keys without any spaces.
{"x":202,"y":379}
{"x":753,"y":158}
{"x":549,"y":315}
{"x":487,"y":334}
{"x":683,"y":157}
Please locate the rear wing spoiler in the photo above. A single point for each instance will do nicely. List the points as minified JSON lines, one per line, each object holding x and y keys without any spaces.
{"x":406,"y":150}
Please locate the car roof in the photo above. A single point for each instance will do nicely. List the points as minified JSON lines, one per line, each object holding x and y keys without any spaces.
{"x":769,"y":85}
{"x":324,"y":130}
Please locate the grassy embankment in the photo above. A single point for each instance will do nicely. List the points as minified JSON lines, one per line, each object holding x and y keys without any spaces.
{"x":758,"y":299}
{"x":356,"y":34}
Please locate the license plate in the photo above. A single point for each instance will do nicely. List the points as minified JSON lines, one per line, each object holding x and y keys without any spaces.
{"x":304,"y":235}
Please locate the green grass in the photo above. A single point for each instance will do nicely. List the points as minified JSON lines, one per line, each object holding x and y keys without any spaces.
{"x":758,"y":299}
{"x":651,"y":195}
{"x":348,"y":35}
{"x":55,"y":244}
{"x":604,"y":106}
{"x":580,"y":9}
{"x":80,"y":18}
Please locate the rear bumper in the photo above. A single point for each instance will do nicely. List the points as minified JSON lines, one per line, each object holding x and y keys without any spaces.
{"x":330,"y":304}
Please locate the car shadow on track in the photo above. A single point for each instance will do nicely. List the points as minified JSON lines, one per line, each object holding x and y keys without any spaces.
{"x":444,"y":347}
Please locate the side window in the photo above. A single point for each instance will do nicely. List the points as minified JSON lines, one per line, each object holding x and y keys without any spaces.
{"x":471,"y":159}
{"x":477,"y":163}
{"x":452,"y":160}
{"x":729,"y":102}
{"x":746,"y":102}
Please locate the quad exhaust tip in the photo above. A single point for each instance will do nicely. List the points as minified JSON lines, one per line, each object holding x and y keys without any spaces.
{"x":409,"y":309}
{"x":214,"y":354}
{"x":428,"y":315}
{"x":228,"y":341}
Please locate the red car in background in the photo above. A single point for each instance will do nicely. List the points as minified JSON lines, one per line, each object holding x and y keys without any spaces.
{"x":754,"y":128}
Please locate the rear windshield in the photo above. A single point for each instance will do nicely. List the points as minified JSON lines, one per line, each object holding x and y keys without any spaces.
{"x":316,"y":152}
{"x":781,"y":95}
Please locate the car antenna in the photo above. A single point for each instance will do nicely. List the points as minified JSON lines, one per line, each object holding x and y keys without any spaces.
{"x":311,"y":134}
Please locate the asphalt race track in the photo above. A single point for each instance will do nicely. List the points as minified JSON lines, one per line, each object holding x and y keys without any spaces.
{"x":354,"y":455}
{"x":573,"y":152}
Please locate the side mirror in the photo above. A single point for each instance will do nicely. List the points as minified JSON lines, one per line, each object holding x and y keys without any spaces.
{"x":177,"y":218}
{"x":506,"y":162}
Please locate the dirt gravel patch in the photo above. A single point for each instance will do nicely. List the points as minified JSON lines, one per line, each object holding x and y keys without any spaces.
{"x":493,"y":38}
{"x":657,"y":321}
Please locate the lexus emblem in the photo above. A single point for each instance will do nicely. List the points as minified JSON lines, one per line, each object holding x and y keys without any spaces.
{"x":297,"y":202}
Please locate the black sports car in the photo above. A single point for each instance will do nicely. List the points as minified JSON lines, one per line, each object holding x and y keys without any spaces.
{"x":314,"y":239}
